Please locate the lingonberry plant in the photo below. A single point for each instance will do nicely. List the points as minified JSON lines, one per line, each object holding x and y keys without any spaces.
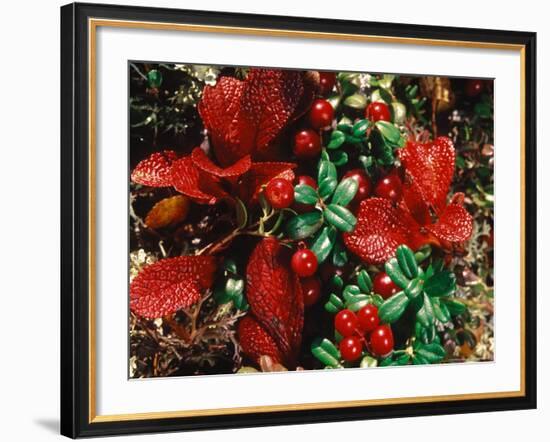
{"x":298,"y":220}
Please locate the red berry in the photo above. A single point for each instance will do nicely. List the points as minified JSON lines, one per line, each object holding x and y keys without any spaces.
{"x":307,"y":144}
{"x":363,"y":191}
{"x":474,"y":88}
{"x":327,"y":80}
{"x":311,"y":290}
{"x":383,"y":285}
{"x":378,"y":111}
{"x":280,"y":193}
{"x":389,"y":187}
{"x":350,"y":348}
{"x":345,"y":322}
{"x":304,"y":262}
{"x":321,"y":114}
{"x":381,"y":340}
{"x":306,"y":179}
{"x":368,"y":318}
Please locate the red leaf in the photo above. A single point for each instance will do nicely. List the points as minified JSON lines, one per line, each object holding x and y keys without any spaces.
{"x":268,"y":102}
{"x":245,"y":117}
{"x":219,"y":108}
{"x":204,"y":163}
{"x":155,"y":171}
{"x":431,"y":167}
{"x":260,"y":174}
{"x":380,"y":228}
{"x":414,"y":202}
{"x":188,"y":180}
{"x":170,"y":284}
{"x":455,"y":224}
{"x":256,"y":341}
{"x":275,"y":296}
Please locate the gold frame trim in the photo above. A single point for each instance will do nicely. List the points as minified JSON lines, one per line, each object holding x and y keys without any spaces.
{"x":93,"y":24}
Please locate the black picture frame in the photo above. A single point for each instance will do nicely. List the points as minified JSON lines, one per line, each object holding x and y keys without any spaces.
{"x":75,"y":220}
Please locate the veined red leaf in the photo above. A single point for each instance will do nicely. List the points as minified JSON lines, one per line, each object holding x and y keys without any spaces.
{"x":170,"y":284}
{"x":275,"y":296}
{"x":455,"y":224}
{"x":431,"y":167}
{"x":256,"y":342}
{"x":188,"y":180}
{"x":380,"y":228}
{"x":155,"y":171}
{"x":204,"y":163}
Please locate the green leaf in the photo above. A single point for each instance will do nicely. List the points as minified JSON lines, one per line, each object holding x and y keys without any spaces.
{"x":399,"y":112}
{"x":331,"y":308}
{"x":304,"y":225}
{"x":327,"y":186}
{"x":423,"y":253}
{"x":339,"y":157}
{"x":419,"y":360}
{"x":407,"y":261}
{"x":305,"y":194}
{"x":403,"y":359}
{"x":431,"y":352}
{"x":339,"y":254}
{"x":345,"y":191}
{"x":241,"y":214}
{"x":393,"y":307}
{"x":425,"y":335}
{"x":326,"y":352}
{"x":229,"y":265}
{"x":337,"y":138}
{"x":414,"y":288}
{"x":454,"y":305}
{"x":336,"y":301}
{"x":323,"y":243}
{"x":154,"y":78}
{"x":442,"y":283}
{"x":389,"y":132}
{"x":364,"y":282}
{"x":393,"y":269}
{"x":350,"y":292}
{"x":340,"y":217}
{"x":326,"y":170}
{"x":426,"y":314}
{"x":234,"y":286}
{"x":360,"y":128}
{"x":356,"y":101}
{"x":441,"y":311}
{"x":337,"y":281}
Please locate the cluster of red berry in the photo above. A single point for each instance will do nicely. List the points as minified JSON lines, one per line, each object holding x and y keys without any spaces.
{"x":362,"y":328}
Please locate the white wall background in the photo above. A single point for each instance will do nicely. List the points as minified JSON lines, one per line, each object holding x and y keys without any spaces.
{"x":29,"y":218}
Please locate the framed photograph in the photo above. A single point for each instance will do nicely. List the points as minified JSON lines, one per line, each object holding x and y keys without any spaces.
{"x":279,"y":220}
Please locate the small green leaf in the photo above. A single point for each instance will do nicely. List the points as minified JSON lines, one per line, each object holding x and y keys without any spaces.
{"x":339,"y":254}
{"x":337,"y":281}
{"x":389,"y":131}
{"x":326,"y":170}
{"x":323,"y":243}
{"x":426,"y":314}
{"x":326,"y":352}
{"x":154,"y":78}
{"x":337,"y":138}
{"x":419,"y":360}
{"x":327,"y":186}
{"x":335,"y":300}
{"x":339,"y":157}
{"x":423,"y":253}
{"x":442,"y":283}
{"x":454,"y":305}
{"x":304,"y":225}
{"x":364,"y":282}
{"x":393,"y":307}
{"x":356,"y":101}
{"x":305,"y":194}
{"x":399,"y":112}
{"x":234,"y":286}
{"x":345,"y":191}
{"x":414,"y":288}
{"x":340,"y":217}
{"x":441,"y":311}
{"x":350,"y":292}
{"x":395,"y":273}
{"x":431,"y":352}
{"x":360,"y":128}
{"x":229,"y":265}
{"x":407,"y":261}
